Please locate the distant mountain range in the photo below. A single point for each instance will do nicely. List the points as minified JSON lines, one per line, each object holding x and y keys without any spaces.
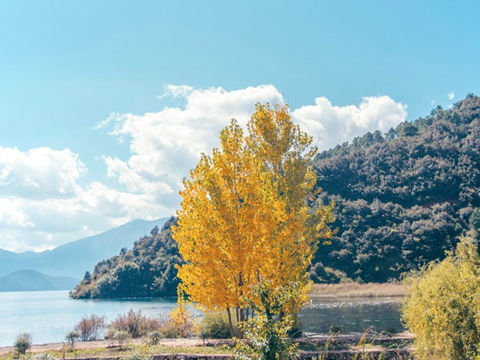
{"x":75,"y":258}
{"x":32,"y":280}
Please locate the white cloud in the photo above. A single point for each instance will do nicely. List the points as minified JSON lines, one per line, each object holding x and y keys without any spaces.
{"x":176,"y":91}
{"x":166,"y":144}
{"x":39,"y":173}
{"x":42,"y":201}
{"x":451,"y":95}
{"x":43,"y":205}
{"x":331,"y":125}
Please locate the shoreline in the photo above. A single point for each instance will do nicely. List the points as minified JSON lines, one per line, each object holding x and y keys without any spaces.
{"x":195,"y":346}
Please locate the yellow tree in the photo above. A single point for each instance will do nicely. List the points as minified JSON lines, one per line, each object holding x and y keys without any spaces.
{"x":287,"y":152}
{"x":245,"y":218}
{"x":228,"y":211}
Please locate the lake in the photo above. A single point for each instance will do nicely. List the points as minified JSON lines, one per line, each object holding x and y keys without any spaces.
{"x":49,"y":315}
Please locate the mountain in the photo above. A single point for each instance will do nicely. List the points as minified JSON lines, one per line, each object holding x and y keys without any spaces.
{"x":74,"y":258}
{"x":401,"y":200}
{"x":32,"y":280}
{"x":147,"y":270}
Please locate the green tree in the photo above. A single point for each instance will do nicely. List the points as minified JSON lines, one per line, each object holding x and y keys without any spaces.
{"x":266,"y":334}
{"x":475,"y":219}
{"x":442,"y":306}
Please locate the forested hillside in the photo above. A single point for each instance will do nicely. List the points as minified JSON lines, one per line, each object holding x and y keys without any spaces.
{"x":147,"y":270}
{"x":402,"y":199}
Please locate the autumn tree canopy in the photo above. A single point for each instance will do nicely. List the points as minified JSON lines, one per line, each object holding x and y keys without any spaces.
{"x":245,"y":213}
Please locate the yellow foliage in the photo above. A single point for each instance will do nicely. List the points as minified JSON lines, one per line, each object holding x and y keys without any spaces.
{"x":442,"y":306}
{"x":181,"y":319}
{"x":245,"y":213}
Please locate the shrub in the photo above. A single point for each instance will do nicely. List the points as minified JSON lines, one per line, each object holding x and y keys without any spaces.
{"x":71,"y":338}
{"x":266,"y":334}
{"x":181,"y":322}
{"x":215,"y":326}
{"x":442,"y":306}
{"x":135,"y":324}
{"x":118,"y":336}
{"x":109,"y":336}
{"x":326,"y":275}
{"x":169,"y":330}
{"x":121,"y":337}
{"x":23,"y":343}
{"x":90,"y":327}
{"x":154,"y":337}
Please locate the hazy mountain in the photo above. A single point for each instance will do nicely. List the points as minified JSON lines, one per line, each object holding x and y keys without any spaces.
{"x":146,"y":270}
{"x":32,"y":280}
{"x":76,"y":257}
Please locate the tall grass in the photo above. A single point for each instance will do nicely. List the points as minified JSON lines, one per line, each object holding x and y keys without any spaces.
{"x":353,"y":289}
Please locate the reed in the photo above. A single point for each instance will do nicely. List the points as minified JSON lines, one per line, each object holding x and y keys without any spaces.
{"x":354,"y":289}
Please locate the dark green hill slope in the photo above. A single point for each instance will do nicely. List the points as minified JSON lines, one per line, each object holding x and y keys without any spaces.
{"x":32,"y":280}
{"x":402,"y":199}
{"x":147,"y":270}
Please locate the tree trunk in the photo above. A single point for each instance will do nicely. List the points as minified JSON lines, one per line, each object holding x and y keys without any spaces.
{"x":230,"y":324}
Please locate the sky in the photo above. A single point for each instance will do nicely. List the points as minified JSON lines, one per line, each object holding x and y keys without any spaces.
{"x":105,"y":105}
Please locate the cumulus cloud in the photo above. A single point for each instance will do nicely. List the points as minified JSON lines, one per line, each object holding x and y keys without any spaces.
{"x":451,"y":95}
{"x":44,"y":202}
{"x":166,"y":144}
{"x":331,"y":125}
{"x":39,"y":173}
{"x":43,"y":205}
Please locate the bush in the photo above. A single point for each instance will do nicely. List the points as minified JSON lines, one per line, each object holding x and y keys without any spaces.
{"x":168,"y":330}
{"x":90,"y":327}
{"x":266,"y":334}
{"x":180,"y":322}
{"x":71,"y":338}
{"x":325,"y":275}
{"x":215,"y":326}
{"x":135,"y":324}
{"x":118,"y":336}
{"x":23,"y":343}
{"x":442,"y":306}
{"x":154,"y":337}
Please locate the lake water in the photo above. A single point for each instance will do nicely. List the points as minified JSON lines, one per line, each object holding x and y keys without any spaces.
{"x":49,"y":315}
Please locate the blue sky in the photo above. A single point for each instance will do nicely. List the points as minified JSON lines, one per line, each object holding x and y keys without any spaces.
{"x":66,"y":66}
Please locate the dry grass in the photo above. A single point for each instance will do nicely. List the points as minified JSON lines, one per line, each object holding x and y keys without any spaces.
{"x":354,"y":289}
{"x":128,"y":350}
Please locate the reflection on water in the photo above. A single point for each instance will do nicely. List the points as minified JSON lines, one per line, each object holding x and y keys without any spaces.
{"x":351,"y":315}
{"x":49,"y":315}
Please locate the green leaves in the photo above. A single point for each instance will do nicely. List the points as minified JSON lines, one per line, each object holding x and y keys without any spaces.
{"x":442,"y":307}
{"x":266,"y":334}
